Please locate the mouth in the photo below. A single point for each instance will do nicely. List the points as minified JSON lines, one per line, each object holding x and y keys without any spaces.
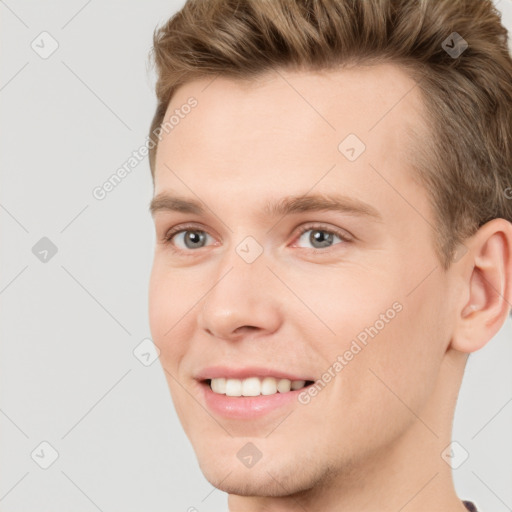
{"x":249,"y":392}
{"x":251,"y":398}
{"x":254,"y":386}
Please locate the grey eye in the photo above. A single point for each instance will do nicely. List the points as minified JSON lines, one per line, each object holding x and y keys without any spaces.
{"x":192,"y":238}
{"x":319,"y":238}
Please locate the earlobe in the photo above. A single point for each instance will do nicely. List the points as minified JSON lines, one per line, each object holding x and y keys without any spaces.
{"x":488,"y":279}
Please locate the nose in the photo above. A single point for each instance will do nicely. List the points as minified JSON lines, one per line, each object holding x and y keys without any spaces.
{"x":244,"y":300}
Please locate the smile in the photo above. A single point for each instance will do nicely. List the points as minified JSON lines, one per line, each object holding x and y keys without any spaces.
{"x":254,"y":386}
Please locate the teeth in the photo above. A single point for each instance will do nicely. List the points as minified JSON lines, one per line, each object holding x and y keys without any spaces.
{"x":251,"y":387}
{"x":268,"y":386}
{"x":284,"y":385}
{"x":233,"y":387}
{"x":254,"y":386}
{"x":219,"y":386}
{"x":298,"y":384}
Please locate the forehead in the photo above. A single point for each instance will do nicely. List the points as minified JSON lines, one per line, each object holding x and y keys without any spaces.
{"x":286,"y":131}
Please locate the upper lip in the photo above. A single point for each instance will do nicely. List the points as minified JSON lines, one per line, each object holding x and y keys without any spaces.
{"x":230,"y":372}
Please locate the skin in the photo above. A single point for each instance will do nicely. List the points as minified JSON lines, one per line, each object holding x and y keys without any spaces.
{"x":372,"y":438}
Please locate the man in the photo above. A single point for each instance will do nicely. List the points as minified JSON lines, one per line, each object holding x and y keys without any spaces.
{"x":334,"y":238}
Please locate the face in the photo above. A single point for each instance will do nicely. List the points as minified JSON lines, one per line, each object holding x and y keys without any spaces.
{"x":261,"y":282}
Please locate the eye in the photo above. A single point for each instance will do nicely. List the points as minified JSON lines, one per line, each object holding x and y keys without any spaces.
{"x":321,"y":237}
{"x":190,"y":237}
{"x":185,"y":238}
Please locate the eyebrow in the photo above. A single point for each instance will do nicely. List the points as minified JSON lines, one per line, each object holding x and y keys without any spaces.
{"x":275,"y":208}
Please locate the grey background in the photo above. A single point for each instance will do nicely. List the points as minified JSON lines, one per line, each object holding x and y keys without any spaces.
{"x":69,"y":326}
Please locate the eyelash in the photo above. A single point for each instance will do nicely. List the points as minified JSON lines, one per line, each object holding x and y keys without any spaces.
{"x":169,"y":235}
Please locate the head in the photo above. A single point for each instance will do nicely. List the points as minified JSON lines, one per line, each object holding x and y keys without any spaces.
{"x":281,"y":110}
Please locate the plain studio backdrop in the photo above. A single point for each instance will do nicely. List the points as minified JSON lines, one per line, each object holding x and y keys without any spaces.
{"x":77,"y":101}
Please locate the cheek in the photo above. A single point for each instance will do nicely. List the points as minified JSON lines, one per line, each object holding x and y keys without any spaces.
{"x":168,"y":306}
{"x":392,"y":342}
{"x":157,"y":301}
{"x":402,"y":361}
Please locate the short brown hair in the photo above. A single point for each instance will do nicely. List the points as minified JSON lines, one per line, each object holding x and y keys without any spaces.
{"x":466,"y":163}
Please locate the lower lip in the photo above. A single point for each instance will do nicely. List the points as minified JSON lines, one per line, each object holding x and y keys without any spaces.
{"x":246,"y":407}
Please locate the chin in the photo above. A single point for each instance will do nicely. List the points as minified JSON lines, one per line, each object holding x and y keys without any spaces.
{"x":270,"y":476}
{"x":249,"y":483}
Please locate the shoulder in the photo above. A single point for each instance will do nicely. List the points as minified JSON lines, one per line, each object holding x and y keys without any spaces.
{"x":470,"y":506}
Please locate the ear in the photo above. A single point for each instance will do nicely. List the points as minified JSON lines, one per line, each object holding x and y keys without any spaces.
{"x":487,"y":273}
